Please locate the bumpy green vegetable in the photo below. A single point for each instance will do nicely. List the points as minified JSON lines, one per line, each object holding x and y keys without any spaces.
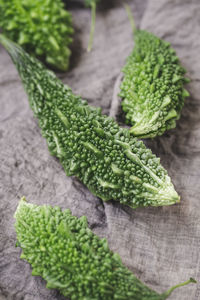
{"x":43,"y":28}
{"x":92,"y":4}
{"x":70,"y":257}
{"x":152,"y":87}
{"x":111,"y":163}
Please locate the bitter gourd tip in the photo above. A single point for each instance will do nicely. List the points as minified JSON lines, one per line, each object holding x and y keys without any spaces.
{"x":106,"y":158}
{"x":20,"y":204}
{"x":5,"y":42}
{"x":11,"y":47}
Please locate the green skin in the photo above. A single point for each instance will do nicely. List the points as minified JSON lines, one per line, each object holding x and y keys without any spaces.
{"x":71,"y":258}
{"x":92,"y":4}
{"x":89,"y":145}
{"x":42,"y":28}
{"x":152,"y":87}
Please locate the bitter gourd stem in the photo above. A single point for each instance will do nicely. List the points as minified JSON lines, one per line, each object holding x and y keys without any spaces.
{"x":92,"y":28}
{"x":168,"y":292}
{"x":130,"y":16}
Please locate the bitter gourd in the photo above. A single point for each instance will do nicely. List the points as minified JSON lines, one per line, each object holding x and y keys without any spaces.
{"x":111,"y":163}
{"x":71,"y":258}
{"x":152,"y":88}
{"x":42,"y":28}
{"x":92,"y":4}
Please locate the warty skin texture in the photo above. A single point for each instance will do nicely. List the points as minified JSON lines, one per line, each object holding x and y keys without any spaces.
{"x":71,"y":258}
{"x":152,"y":88}
{"x":42,"y":28}
{"x":89,"y":145}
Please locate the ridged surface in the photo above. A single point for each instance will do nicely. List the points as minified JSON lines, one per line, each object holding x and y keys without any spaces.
{"x":43,"y":28}
{"x":111,"y":163}
{"x":71,"y":258}
{"x":161,"y":244}
{"x":152,"y":88}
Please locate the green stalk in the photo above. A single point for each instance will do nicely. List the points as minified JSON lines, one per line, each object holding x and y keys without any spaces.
{"x":92,"y":28}
{"x":168,"y":292}
{"x":130,"y":16}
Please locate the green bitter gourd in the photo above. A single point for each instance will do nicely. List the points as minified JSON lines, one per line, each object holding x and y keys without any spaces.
{"x":91,"y":146}
{"x":152,"y":89}
{"x":71,"y":258}
{"x":42,"y":28}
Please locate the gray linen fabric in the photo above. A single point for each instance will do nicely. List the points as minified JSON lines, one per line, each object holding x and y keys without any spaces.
{"x":160,"y":245}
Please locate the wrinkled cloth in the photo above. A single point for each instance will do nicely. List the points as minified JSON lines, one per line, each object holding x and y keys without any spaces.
{"x":160,"y":245}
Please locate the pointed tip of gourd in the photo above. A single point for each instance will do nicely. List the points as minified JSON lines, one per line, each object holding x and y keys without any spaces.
{"x":142,"y":131}
{"x":2,"y":37}
{"x":168,"y":198}
{"x":12,"y":48}
{"x":22,"y":201}
{"x":22,"y":204}
{"x":173,"y":195}
{"x":185,"y":93}
{"x":137,"y":130}
{"x":22,"y":256}
{"x":5,"y":41}
{"x":165,"y":195}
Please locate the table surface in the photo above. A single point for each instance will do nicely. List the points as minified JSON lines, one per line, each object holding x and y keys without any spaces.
{"x":160,"y":245}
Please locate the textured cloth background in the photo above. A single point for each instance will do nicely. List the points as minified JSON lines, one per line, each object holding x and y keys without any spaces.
{"x":160,"y":245}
